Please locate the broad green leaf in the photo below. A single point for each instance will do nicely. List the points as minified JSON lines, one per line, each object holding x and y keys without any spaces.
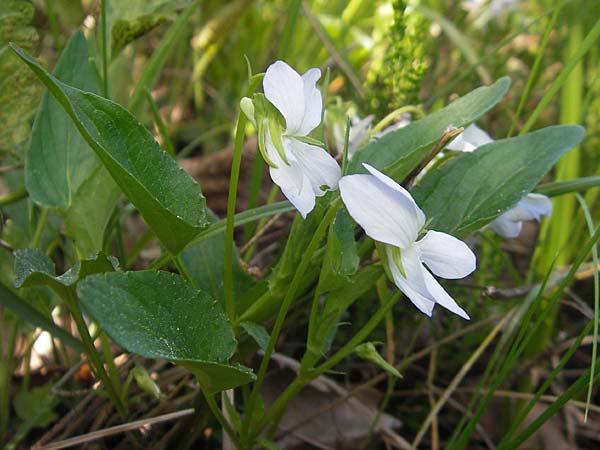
{"x":90,"y":211}
{"x":34,"y":268}
{"x":159,"y":315}
{"x":368,"y":352}
{"x":401,"y":151}
{"x":61,"y":170}
{"x":19,"y":95}
{"x":59,"y":160}
{"x":204,"y":262}
{"x":473,"y":189}
{"x":168,"y":198}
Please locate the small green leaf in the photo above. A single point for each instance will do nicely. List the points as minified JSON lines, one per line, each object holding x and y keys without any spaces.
{"x":257,"y":332}
{"x":473,"y":189}
{"x":340,"y":254}
{"x":168,"y":198}
{"x":401,"y":151}
{"x":129,"y":20}
{"x":32,"y":266}
{"x":369,"y":352}
{"x":145,"y":382}
{"x":36,"y":406}
{"x":159,"y":315}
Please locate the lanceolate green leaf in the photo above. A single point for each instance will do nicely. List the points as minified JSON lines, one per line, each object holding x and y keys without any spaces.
{"x":59,"y":160}
{"x":168,"y":198}
{"x":61,"y":170}
{"x":401,"y":151}
{"x":474,"y":188}
{"x":159,"y":315}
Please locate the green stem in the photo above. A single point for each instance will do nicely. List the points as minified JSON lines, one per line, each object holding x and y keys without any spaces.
{"x":39,"y":229}
{"x":283,"y":310}
{"x":276,"y":410}
{"x":13,"y":197}
{"x":233,"y":186}
{"x":104,"y":50}
{"x":221,"y":419}
{"x":93,"y":356}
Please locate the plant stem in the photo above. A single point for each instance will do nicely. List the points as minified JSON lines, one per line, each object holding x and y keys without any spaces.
{"x":304,"y":377}
{"x":36,"y":240}
{"x":233,"y":185}
{"x":221,"y":418}
{"x":92,"y":354}
{"x":104,"y":50}
{"x":285,"y":306}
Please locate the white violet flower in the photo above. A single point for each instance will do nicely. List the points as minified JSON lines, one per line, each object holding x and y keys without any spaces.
{"x":388,"y":214}
{"x":303,"y":171}
{"x":530,"y":207}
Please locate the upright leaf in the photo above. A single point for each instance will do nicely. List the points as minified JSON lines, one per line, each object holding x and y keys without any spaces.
{"x":401,"y":151}
{"x":474,"y":188}
{"x":168,"y":198}
{"x":159,"y":315}
{"x":61,"y":170}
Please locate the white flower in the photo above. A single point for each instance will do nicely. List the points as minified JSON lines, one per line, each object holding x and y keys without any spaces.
{"x":302,"y":171}
{"x":470,"y":139}
{"x":530,"y":207}
{"x":388,"y":214}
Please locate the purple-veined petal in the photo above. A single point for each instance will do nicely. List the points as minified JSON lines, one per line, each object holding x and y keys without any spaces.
{"x":313,"y":104}
{"x":386,"y":215}
{"x":446,"y":256}
{"x":470,"y":139}
{"x":284,"y":88}
{"x":316,"y":164}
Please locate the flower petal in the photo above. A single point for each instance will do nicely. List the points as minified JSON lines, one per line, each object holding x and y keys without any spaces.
{"x":386,"y":215}
{"x":440,"y":295}
{"x":313,"y":104}
{"x":295,"y":186}
{"x":316,"y":164}
{"x":470,"y":139}
{"x":383,"y":178}
{"x":446,"y":256}
{"x":506,"y":227}
{"x":536,"y":206}
{"x":284,"y":88}
{"x":412,"y":291}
